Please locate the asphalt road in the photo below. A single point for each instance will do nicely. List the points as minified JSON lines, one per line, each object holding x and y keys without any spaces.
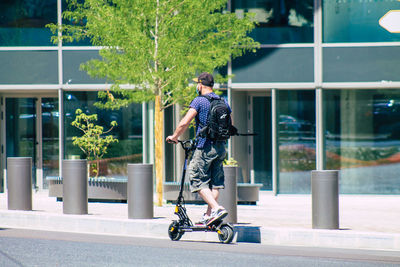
{"x":40,"y":248}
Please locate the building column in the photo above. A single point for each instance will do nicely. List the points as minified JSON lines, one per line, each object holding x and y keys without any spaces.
{"x":318,"y":77}
{"x":320,"y":129}
{"x":275,"y":140}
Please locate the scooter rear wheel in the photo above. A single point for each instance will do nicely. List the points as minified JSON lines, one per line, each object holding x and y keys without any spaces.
{"x":173,"y":231}
{"x":226,"y":234}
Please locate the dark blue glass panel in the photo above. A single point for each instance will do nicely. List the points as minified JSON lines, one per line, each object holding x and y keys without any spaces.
{"x":84,"y":42}
{"x":279,"y":21}
{"x":262,"y":161}
{"x":22,"y":23}
{"x":21,"y":130}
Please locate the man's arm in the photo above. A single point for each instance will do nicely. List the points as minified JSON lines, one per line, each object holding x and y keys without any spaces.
{"x":182,"y":126}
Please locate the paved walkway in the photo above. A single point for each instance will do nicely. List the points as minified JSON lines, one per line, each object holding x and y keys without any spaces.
{"x":368,"y":222}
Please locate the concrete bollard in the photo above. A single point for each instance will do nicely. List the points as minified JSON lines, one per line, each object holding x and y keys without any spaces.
{"x":75,"y":186}
{"x":140,"y":191}
{"x":325,"y":199}
{"x":228,"y":195}
{"x":19,"y":183}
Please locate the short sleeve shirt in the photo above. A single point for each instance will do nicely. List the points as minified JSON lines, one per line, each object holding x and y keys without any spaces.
{"x":202,"y":106}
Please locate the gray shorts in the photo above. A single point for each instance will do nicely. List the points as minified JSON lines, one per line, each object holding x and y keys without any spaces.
{"x":205,"y":170}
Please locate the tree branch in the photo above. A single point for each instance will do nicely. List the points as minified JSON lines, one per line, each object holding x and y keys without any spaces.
{"x":167,"y":106}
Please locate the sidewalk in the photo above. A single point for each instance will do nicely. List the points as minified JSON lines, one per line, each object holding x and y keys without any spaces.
{"x":366,"y":222}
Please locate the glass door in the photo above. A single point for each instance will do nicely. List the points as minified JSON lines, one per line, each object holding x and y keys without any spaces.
{"x":21,"y":138}
{"x":32,"y":131}
{"x":261,"y":144}
{"x":49,"y":137}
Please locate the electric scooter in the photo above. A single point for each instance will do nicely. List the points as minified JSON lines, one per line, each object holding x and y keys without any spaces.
{"x":178,"y":227}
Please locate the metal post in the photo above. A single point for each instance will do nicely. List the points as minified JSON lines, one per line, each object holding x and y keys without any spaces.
{"x":325,"y":199}
{"x":75,"y":186}
{"x":275,"y":140}
{"x":19,"y":179}
{"x":320,"y":129}
{"x":228,"y":196}
{"x":140,"y":191}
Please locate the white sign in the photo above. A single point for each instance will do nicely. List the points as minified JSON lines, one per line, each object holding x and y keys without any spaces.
{"x":391,"y":21}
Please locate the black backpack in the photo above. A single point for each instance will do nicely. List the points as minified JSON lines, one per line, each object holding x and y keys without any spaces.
{"x":219,"y":125}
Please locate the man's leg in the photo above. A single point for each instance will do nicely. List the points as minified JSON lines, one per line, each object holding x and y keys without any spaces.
{"x":216,"y":211}
{"x":215,"y":193}
{"x":208,"y":196}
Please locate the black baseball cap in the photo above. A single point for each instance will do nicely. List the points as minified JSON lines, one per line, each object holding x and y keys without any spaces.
{"x":205,"y":78}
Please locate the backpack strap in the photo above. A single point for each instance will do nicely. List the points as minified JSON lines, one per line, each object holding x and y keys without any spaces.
{"x":210,"y":99}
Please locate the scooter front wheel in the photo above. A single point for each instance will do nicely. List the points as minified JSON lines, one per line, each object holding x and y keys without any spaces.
{"x":226,"y":233}
{"x":174,"y":232}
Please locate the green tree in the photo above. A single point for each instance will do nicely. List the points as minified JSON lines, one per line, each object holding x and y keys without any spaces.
{"x":93,"y":142}
{"x":155,"y":47}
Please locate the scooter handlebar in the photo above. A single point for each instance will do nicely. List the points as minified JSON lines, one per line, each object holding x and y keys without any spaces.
{"x":187,"y":144}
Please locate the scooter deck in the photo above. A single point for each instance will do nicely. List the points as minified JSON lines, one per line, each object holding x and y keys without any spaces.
{"x":213,"y":227}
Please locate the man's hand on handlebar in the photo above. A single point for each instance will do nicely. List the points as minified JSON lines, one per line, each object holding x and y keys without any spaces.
{"x":171,"y":139}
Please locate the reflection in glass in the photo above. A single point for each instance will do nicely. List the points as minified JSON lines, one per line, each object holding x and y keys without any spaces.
{"x":296,"y":139}
{"x":357,"y":21}
{"x":85,"y":41}
{"x":128,"y":132}
{"x":50,"y":138}
{"x":22,"y":22}
{"x":363,"y":139}
{"x":279,"y":21}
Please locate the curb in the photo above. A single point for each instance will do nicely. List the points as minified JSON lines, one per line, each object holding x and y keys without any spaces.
{"x":84,"y":224}
{"x":157,"y":228}
{"x":346,"y":239}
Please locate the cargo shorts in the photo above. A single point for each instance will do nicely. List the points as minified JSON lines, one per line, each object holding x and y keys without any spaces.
{"x":205,"y":170}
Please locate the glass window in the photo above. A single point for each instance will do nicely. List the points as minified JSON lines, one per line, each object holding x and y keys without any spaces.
{"x":361,"y":64}
{"x":128,"y":132}
{"x":275,"y":65}
{"x":357,"y":21}
{"x":21,"y":130}
{"x":22,"y":22}
{"x":296,"y":139}
{"x":50,"y":152}
{"x":84,"y":42}
{"x":262,"y":143}
{"x":72,"y":61}
{"x":363,"y":139}
{"x":279,"y":21}
{"x":29,"y":67}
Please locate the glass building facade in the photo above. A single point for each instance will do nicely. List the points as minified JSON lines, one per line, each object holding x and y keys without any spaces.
{"x":322,"y":92}
{"x":41,"y":86}
{"x":324,"y":85}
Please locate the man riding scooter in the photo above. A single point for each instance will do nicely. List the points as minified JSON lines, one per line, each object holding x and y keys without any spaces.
{"x":205,"y":170}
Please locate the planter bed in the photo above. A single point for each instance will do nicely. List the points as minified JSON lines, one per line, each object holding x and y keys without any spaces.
{"x":99,"y":189}
{"x":247,"y":193}
{"x":115,"y":190}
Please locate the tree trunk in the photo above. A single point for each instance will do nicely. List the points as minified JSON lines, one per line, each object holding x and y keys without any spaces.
{"x":159,"y":148}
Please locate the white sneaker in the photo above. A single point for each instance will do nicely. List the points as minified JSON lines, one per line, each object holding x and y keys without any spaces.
{"x":203,"y":219}
{"x":217,"y":215}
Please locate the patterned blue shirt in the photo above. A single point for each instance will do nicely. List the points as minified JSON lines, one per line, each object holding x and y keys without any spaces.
{"x":202,"y":106}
